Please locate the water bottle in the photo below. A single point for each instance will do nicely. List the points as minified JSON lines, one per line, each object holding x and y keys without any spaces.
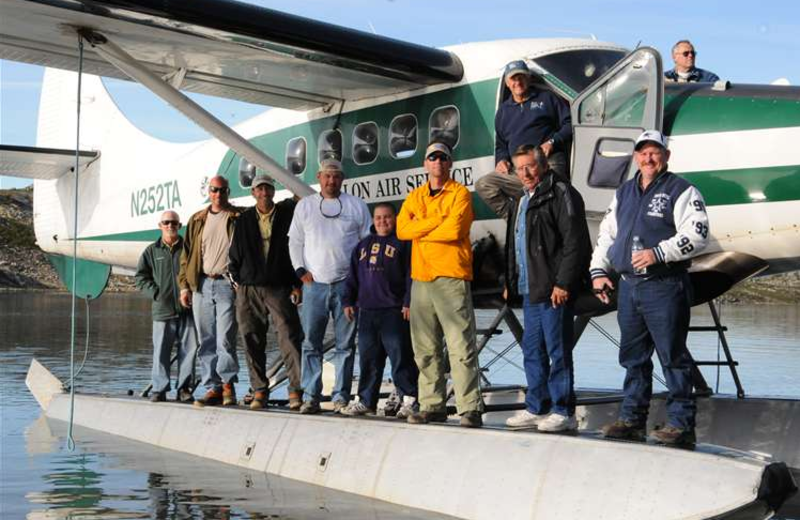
{"x":638,"y":246}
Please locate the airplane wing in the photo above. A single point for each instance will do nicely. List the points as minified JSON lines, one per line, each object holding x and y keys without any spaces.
{"x":225,"y":48}
{"x":40,"y":163}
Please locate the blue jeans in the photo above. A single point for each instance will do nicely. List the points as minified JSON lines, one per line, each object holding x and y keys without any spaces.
{"x":382,"y":333}
{"x":178,"y":330}
{"x":547,"y":343}
{"x":215,"y":318}
{"x":656,"y":312}
{"x":321,"y":300}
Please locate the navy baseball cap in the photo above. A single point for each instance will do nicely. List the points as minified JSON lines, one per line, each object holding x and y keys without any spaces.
{"x":516,"y":67}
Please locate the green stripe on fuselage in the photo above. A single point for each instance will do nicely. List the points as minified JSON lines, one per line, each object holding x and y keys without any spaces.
{"x":686,"y":114}
{"x":723,"y":187}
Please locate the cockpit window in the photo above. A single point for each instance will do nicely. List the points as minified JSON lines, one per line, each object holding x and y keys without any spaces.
{"x":365,"y":143}
{"x":445,"y":126}
{"x":330,"y":145}
{"x":296,"y":155}
{"x":578,"y":69}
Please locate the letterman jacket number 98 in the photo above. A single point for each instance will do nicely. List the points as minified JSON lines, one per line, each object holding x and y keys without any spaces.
{"x":669,"y":217}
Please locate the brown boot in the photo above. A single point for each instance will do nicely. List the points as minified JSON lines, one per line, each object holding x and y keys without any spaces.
{"x":622,"y":429}
{"x":228,"y":395}
{"x":295,"y":400}
{"x":259,"y":400}
{"x":212,"y":398}
{"x":673,"y":436}
{"x":427,"y":417}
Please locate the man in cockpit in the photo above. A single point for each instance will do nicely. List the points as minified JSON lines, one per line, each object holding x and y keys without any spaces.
{"x":684,"y":56}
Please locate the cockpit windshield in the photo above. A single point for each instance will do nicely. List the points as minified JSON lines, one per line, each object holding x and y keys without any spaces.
{"x":579,"y":68}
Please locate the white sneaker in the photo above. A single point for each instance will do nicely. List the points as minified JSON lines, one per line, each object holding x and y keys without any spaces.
{"x":356,"y":407}
{"x":524,"y":419}
{"x":558,"y":423}
{"x":409,"y":406}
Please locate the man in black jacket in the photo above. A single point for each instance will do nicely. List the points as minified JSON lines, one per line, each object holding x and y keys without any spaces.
{"x":265,"y":283}
{"x":547,"y":250}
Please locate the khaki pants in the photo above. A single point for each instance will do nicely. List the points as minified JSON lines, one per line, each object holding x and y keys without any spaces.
{"x":253,"y":306}
{"x":441,"y":311}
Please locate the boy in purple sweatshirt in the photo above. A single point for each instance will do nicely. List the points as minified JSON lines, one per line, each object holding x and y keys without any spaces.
{"x":378,"y":287}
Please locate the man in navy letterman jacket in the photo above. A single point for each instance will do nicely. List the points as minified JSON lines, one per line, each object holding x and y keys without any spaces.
{"x":668,"y":215}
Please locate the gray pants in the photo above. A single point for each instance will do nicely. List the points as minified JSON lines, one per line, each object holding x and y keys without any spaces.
{"x":253,"y":307}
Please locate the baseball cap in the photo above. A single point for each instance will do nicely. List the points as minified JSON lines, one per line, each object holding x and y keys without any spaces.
{"x":330,"y":164}
{"x":650,"y":136}
{"x":262,"y":178}
{"x":516,"y":67}
{"x":439,"y":147}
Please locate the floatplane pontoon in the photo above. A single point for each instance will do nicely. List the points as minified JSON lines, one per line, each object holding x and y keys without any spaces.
{"x":488,"y":473}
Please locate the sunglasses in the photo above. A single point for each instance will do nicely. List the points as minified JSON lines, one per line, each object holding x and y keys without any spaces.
{"x":438,"y":157}
{"x":686,"y":54}
{"x":218,"y":189}
{"x":170,"y":223}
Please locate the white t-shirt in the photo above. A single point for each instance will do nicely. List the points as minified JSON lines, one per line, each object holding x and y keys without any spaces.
{"x":322,"y":244}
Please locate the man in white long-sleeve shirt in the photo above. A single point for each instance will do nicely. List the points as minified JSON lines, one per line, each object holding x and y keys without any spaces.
{"x":325,"y":229}
{"x":667,"y":215}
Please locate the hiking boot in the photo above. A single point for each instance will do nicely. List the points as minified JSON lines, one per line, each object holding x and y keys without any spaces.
{"x":338,"y":406}
{"x":525,"y":419}
{"x":622,"y":429}
{"x":672,"y":436}
{"x":158,"y":397}
{"x":185,"y":396}
{"x":472,"y":419}
{"x":310,"y":407}
{"x":555,"y":422}
{"x":213,"y":397}
{"x":357,"y":408}
{"x":228,"y":395}
{"x":410,"y":407}
{"x":295,"y":400}
{"x":259,"y":400}
{"x":426,"y":417}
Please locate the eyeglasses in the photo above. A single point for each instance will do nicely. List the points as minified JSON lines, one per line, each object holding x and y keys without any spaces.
{"x":170,"y":223}
{"x":438,"y":157}
{"x":528,"y":168}
{"x":332,"y":214}
{"x":686,"y":54}
{"x":218,"y":189}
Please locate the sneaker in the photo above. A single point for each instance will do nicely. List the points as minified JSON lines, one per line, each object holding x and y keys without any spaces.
{"x":228,"y":395}
{"x":310,"y":407}
{"x":392,"y":405}
{"x":673,"y":436}
{"x":338,"y":406}
{"x":213,"y":397}
{"x":355,"y":408}
{"x":524,"y":419}
{"x":472,"y":419}
{"x":409,"y":407}
{"x":259,"y":400}
{"x":426,"y":417}
{"x":623,"y":429}
{"x":295,"y":400}
{"x":185,"y":396}
{"x":158,"y":397}
{"x":555,"y":422}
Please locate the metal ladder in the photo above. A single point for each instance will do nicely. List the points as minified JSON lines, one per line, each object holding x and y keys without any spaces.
{"x":700,"y":384}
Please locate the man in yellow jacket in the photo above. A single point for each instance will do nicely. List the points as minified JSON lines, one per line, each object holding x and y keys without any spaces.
{"x":437,"y":217}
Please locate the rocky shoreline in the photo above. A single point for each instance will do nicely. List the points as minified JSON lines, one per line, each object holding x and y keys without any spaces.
{"x":23,"y":266}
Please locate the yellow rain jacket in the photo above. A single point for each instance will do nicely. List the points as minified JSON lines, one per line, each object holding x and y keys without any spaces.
{"x":439,"y":228}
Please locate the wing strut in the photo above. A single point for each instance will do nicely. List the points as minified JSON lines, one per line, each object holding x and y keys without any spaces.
{"x":163,"y":89}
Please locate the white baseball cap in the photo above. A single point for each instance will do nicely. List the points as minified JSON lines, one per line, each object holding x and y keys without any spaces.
{"x":650,"y":136}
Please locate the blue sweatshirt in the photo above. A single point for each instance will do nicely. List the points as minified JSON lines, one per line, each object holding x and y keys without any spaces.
{"x":542,"y":116}
{"x":380,"y":274}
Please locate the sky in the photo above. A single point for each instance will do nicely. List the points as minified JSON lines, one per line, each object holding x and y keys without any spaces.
{"x":744,"y":42}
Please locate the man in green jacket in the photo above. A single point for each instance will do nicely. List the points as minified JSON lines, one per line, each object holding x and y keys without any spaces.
{"x":157,"y":277}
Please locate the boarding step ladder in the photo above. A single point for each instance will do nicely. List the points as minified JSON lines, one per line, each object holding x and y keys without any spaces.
{"x":699,"y":382}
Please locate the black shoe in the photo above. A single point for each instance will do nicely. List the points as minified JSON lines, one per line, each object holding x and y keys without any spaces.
{"x":622,"y":429}
{"x":672,"y":436}
{"x":427,"y":417}
{"x":185,"y":396}
{"x":472,"y":419}
{"x":158,"y":397}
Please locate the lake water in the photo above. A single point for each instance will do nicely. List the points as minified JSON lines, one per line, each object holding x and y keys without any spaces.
{"x":107,"y":477}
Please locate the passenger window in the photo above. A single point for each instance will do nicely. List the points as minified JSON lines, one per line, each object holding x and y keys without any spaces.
{"x":247,"y":172}
{"x":365,"y":143}
{"x":330,"y":145}
{"x":445,"y":126}
{"x":296,"y":155}
{"x":403,"y":136}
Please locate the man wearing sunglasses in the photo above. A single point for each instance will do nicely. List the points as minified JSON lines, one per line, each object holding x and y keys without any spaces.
{"x":325,"y":229}
{"x":157,"y":277}
{"x":206,"y":289}
{"x":684,"y":56}
{"x":437,"y":217}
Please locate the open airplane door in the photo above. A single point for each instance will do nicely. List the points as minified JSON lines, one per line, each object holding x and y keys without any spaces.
{"x":607,"y":118}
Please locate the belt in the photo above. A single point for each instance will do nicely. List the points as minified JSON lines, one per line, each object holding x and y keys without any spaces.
{"x":214,"y":276}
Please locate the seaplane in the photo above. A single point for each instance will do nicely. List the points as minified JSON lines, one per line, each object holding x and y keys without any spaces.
{"x":373,"y":102}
